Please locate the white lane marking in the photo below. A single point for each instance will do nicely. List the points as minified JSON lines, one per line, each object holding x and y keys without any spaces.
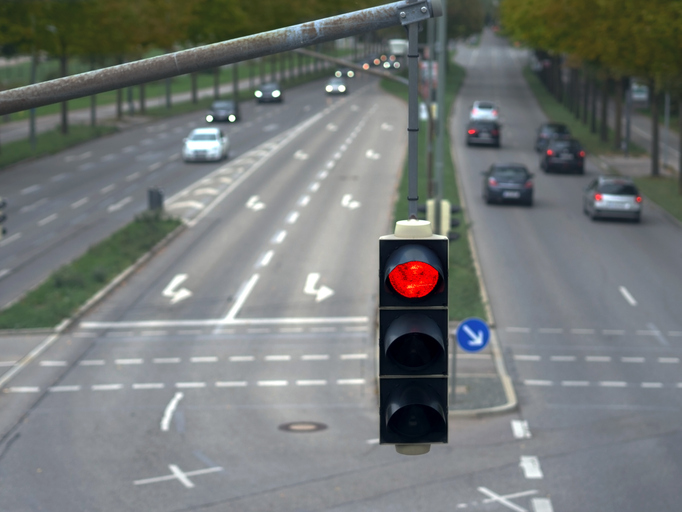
{"x":106,"y":387}
{"x":254,"y":203}
{"x":304,"y":200}
{"x":265,"y":259}
{"x":550,"y":330}
{"x":231,"y":384}
{"x":524,"y":357}
{"x":107,"y":189}
{"x":166,"y":360}
{"x":542,"y":505}
{"x":4,"y":364}
{"x":278,"y":358}
{"x":63,"y":389}
{"x":186,"y":204}
{"x":350,"y":382}
{"x":47,"y":219}
{"x":33,"y":206}
{"x":117,"y":206}
{"x":128,"y":361}
{"x":10,"y":239}
{"x":332,"y":127}
{"x":632,"y":359}
{"x":79,"y":203}
{"x":301,"y":155}
{"x":669,"y":360}
{"x":372,"y":155}
{"x":129,"y":149}
{"x":562,"y":358}
{"x":322,"y":293}
{"x":190,"y":385}
{"x":613,"y":332}
{"x":30,"y":190}
{"x":292,"y":217}
{"x":290,"y":330}
{"x":272,"y":383}
{"x":242,"y":295}
{"x":575,"y":383}
{"x":323,"y":329}
{"x":612,"y":384}
{"x":520,"y":429}
{"x":179,"y":475}
{"x":133,"y":176}
{"x":92,"y":362}
{"x":24,"y":389}
{"x":582,"y":331}
{"x":348,"y":202}
{"x":176,"y":295}
{"x":315,"y":357}
{"x":347,"y":357}
{"x":598,"y":359}
{"x":625,"y":293}
{"x":314,"y":186}
{"x":148,"y":385}
{"x":206,"y":191}
{"x":320,"y":382}
{"x":168,"y":412}
{"x":241,"y":359}
{"x":82,"y":156}
{"x":502,"y":499}
{"x":322,"y":174}
{"x":534,"y":382}
{"x":518,"y":330}
{"x":204,"y":359}
{"x":652,"y":385}
{"x":222,"y":323}
{"x":675,"y":334}
{"x":279,"y":237}
{"x":259,"y":330}
{"x":531,"y":467}
{"x":387,"y":127}
{"x":52,"y":363}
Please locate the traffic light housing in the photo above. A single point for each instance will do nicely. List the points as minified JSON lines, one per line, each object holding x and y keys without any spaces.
{"x":413,"y":338}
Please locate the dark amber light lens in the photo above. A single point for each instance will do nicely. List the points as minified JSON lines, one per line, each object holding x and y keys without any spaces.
{"x":414,"y":279}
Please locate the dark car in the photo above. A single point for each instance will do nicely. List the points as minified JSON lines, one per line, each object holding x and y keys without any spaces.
{"x":547,"y":131}
{"x":224,"y":110}
{"x":268,"y":93}
{"x":612,"y":196}
{"x":508,"y":182}
{"x":336,"y":86}
{"x":483,"y":132}
{"x":563,"y":155}
{"x":344,"y":73}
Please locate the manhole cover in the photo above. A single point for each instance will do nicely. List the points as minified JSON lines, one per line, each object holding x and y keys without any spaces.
{"x":302,"y":426}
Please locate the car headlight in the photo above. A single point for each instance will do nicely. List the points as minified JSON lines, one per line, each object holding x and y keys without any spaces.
{"x":351,"y":74}
{"x":342,"y":88}
{"x":232,"y":118}
{"x":258,"y":94}
{"x":396,"y":64}
{"x":276,"y":93}
{"x":209,"y":118}
{"x":337,"y":74}
{"x":329,"y":88}
{"x":387,"y":65}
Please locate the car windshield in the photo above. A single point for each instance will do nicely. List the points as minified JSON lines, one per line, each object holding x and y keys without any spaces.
{"x":485,"y":106}
{"x":510,"y":173}
{"x":203,"y":136}
{"x":618,"y":189}
{"x":565,"y":144}
{"x":223,"y":105}
{"x":269,"y":87}
{"x":556,"y":128}
{"x":485,"y":125}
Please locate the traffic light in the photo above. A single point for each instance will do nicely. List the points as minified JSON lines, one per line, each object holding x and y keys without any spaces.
{"x":413,"y":338}
{"x":3,"y":217}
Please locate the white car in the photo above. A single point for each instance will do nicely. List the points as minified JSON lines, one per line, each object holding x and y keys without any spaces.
{"x":205,"y":144}
{"x":484,"y":111}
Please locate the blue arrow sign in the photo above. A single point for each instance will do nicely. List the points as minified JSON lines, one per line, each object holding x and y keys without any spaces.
{"x":473,"y":334}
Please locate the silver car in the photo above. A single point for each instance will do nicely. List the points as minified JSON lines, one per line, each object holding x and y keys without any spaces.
{"x":205,"y":144}
{"x":612,"y":196}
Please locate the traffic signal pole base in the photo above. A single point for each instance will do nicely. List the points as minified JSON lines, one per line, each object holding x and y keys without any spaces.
{"x":413,"y":449}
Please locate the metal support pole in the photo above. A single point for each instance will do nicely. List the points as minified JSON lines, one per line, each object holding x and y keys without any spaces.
{"x":412,"y":120}
{"x":440,"y":129}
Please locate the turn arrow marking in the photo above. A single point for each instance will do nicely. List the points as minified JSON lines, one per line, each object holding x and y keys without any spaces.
{"x":323,"y":292}
{"x":176,"y":295}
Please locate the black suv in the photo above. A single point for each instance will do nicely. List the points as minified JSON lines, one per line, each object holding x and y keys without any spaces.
{"x":223,"y":110}
{"x":483,"y":132}
{"x":548,"y":131}
{"x":563,"y":154}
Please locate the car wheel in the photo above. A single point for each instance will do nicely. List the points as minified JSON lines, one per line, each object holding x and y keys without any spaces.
{"x":581,"y":170}
{"x":637,"y":218}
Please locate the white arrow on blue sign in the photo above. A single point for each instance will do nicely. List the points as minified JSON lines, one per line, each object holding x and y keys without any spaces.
{"x":473,"y":334}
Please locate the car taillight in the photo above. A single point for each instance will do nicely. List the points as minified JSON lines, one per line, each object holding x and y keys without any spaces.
{"x":528,"y":184}
{"x":582,"y":154}
{"x":494,"y":112}
{"x":638,"y":199}
{"x":598,"y":197}
{"x":550,"y":152}
{"x":492,"y":181}
{"x":471,"y":132}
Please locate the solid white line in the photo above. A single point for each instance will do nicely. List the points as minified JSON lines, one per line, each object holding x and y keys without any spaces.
{"x":47,"y":219}
{"x":168,"y":412}
{"x":30,"y":357}
{"x":625,"y":293}
{"x":241,"y":297}
{"x":181,"y":476}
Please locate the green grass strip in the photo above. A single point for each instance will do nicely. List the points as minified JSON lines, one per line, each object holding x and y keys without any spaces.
{"x":464,"y":289}
{"x":72,"y":285}
{"x":663,"y":191}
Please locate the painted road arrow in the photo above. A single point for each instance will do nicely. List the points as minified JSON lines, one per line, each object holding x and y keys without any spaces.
{"x":323,"y":292}
{"x":176,"y":295}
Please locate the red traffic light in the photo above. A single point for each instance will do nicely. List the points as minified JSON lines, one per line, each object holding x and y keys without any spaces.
{"x":414,"y":279}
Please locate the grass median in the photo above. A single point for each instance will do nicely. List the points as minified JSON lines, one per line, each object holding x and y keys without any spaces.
{"x":464,"y":293}
{"x":70,"y":287}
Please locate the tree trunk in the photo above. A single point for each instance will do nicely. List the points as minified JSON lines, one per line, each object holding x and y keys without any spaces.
{"x":143,"y":106}
{"x":586,"y":93}
{"x":235,"y":81}
{"x":216,"y":83}
{"x":593,"y":113}
{"x":655,"y":164}
{"x":576,"y":93}
{"x":604,"y":125}
{"x":65,"y":104}
{"x":169,"y":95}
{"x":119,"y":104}
{"x":679,"y":161}
{"x":618,"y":121}
{"x":193,"y":80}
{"x":93,"y":110}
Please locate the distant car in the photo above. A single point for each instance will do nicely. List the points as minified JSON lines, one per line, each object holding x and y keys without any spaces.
{"x":612,"y":196}
{"x":344,"y":73}
{"x":336,"y":86}
{"x":269,"y":93}
{"x":563,"y":154}
{"x":484,"y":110}
{"x":548,"y":130}
{"x":483,"y":132}
{"x":508,"y":182}
{"x":205,"y":144}
{"x":223,"y":110}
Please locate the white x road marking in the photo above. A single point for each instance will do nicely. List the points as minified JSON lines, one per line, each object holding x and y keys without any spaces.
{"x":178,"y":474}
{"x":504,"y":500}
